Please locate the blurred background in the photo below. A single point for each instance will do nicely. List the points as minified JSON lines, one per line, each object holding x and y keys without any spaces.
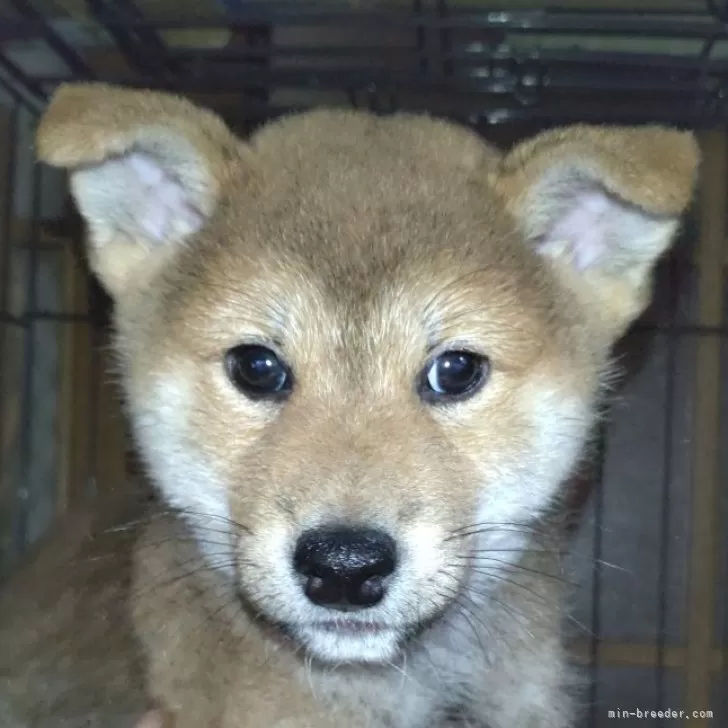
{"x":650,"y":536}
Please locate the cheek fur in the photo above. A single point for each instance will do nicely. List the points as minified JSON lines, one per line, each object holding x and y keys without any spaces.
{"x":521,"y":477}
{"x":186,"y":479}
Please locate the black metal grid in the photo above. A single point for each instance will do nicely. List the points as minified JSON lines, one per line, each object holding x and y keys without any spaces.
{"x":16,"y":500}
{"x":465,"y":58}
{"x":470,"y":56}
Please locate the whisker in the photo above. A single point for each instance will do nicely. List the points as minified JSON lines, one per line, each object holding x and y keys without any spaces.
{"x":565,"y":554}
{"x":541,"y":538}
{"x":488,"y":594}
{"x":513,"y":582}
{"x":140,"y":523}
{"x":226,"y":546}
{"x":518,"y":550}
{"x":475,"y":610}
{"x":218,"y":567}
{"x":524,"y":526}
{"x":192,"y":540}
{"x":211,"y":516}
{"x":520,"y":567}
{"x":467,"y":613}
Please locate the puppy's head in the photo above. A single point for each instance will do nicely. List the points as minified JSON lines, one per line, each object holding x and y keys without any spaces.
{"x":357,"y":349}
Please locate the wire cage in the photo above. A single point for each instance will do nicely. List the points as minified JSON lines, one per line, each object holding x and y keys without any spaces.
{"x":650,"y":544}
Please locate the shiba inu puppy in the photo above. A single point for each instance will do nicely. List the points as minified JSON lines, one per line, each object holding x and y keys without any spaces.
{"x":360,"y":357}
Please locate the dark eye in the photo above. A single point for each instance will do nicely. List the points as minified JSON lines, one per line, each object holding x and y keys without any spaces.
{"x":257,"y":371}
{"x":453,"y":375}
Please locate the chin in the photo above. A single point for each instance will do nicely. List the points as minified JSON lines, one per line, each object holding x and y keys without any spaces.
{"x":339,"y":641}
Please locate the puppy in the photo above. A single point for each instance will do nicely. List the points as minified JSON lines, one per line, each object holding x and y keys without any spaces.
{"x":360,"y":357}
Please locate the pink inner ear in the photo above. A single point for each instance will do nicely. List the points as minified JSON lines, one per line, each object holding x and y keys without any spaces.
{"x":163,"y":205}
{"x":582,"y":231}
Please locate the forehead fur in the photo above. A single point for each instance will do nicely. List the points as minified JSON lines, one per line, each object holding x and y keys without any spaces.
{"x":361,"y":227}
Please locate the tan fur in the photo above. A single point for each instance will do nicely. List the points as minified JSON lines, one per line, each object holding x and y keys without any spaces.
{"x":650,"y":167}
{"x":68,"y":651}
{"x":356,"y":246}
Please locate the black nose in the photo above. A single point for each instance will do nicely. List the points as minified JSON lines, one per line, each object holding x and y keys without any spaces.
{"x":345,"y":568}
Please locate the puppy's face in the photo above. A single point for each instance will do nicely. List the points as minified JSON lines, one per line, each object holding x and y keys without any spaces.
{"x":359,"y":351}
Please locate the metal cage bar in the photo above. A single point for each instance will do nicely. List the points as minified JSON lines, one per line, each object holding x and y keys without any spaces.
{"x":501,"y":82}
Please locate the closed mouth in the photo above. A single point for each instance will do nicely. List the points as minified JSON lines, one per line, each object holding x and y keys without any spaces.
{"x":342,"y":626}
{"x":350,"y":628}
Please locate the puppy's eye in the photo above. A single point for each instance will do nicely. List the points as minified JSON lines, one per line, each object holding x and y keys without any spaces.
{"x":257,"y":371}
{"x":454,"y":375}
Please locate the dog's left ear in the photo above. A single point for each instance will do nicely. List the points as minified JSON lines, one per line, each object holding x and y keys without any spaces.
{"x":602,"y":204}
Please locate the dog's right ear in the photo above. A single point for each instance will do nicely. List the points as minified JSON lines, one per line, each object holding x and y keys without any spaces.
{"x":146,"y":170}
